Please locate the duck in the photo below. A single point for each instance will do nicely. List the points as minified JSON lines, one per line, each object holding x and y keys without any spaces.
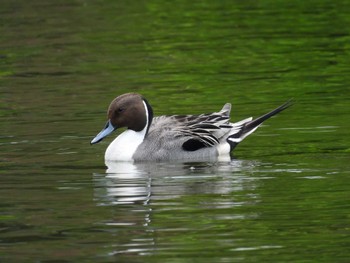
{"x":202,"y":137}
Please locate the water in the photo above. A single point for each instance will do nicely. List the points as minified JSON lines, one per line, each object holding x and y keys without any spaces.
{"x":283,"y":198}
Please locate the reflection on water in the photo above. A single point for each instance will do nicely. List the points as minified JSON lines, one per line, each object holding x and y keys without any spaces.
{"x":185,"y":204}
{"x":145,"y":192}
{"x":128,"y":182}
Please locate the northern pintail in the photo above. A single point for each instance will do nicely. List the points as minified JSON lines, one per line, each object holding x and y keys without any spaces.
{"x":176,"y":137}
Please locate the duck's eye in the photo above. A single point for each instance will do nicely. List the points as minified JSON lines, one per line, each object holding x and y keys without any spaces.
{"x":121,"y":109}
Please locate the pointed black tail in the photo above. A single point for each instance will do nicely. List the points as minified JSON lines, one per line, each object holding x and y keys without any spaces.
{"x":250,"y":126}
{"x":256,"y":122}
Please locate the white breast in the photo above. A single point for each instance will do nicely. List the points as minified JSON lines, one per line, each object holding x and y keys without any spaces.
{"x":124,"y":146}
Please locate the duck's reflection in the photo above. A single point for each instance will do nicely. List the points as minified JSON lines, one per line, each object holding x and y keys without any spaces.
{"x":141,"y":191}
{"x":129,"y":183}
{"x":124,"y":183}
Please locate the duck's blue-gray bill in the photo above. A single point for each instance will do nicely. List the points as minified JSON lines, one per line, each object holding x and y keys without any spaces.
{"x":108,"y":129}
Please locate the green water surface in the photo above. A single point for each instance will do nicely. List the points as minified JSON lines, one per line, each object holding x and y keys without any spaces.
{"x":283,"y":198}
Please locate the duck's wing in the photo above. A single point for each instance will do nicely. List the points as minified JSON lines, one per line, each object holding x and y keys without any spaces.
{"x":196,"y":131}
{"x":206,"y":130}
